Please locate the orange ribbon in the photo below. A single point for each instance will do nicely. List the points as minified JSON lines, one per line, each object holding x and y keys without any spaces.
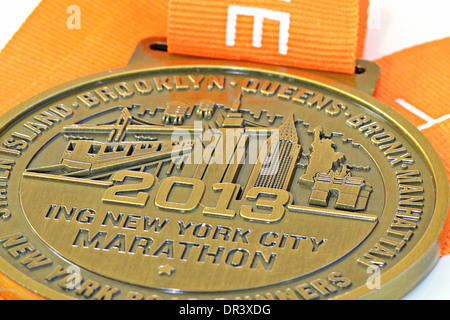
{"x":319,"y":34}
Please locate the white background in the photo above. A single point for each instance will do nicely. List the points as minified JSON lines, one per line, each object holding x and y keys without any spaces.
{"x":393,"y":25}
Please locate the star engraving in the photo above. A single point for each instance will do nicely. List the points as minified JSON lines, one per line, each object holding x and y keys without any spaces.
{"x":166,"y":270}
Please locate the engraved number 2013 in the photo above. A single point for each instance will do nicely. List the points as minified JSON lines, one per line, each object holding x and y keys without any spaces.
{"x":134,"y":194}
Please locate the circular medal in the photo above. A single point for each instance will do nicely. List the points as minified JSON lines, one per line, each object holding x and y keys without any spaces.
{"x":198,"y":179}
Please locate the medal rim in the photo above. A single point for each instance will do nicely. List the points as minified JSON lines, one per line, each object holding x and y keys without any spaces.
{"x":427,"y":249}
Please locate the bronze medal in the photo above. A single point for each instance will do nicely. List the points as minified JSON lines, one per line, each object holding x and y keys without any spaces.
{"x":180,"y":178}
